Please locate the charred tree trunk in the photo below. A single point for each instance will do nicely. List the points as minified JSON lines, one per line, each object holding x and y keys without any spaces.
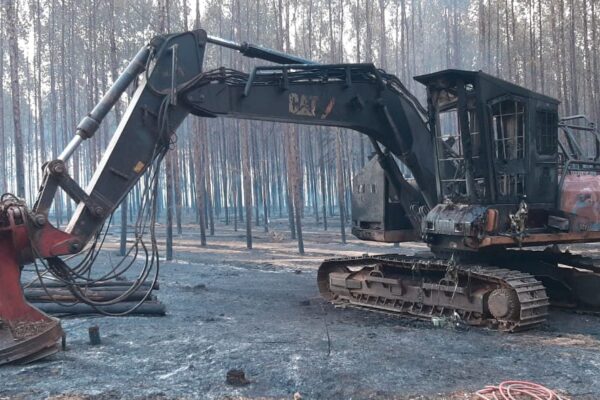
{"x":340,"y":185}
{"x":53,"y":104}
{"x":224,"y":181}
{"x":3,"y":176}
{"x":247,"y":181}
{"x":296,"y":182}
{"x":266,"y":184}
{"x":169,"y":190}
{"x":12,"y":18}
{"x":208,"y":180}
{"x":38,"y":96}
{"x":63,"y":87}
{"x":200,"y":180}
{"x":165,"y":27}
{"x":573,"y":59}
{"x":323,"y":178}
{"x":114,"y":75}
{"x":595,"y":62}
{"x":313,"y":179}
{"x":177,"y":189}
{"x":289,"y":184}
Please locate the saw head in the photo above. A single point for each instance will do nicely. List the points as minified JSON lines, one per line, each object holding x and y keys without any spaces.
{"x":26,"y":334}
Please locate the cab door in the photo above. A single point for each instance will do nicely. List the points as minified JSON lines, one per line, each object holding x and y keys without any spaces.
{"x":509,"y":122}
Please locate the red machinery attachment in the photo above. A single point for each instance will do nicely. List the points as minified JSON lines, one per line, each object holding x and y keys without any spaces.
{"x":26,"y":334}
{"x":580,"y":196}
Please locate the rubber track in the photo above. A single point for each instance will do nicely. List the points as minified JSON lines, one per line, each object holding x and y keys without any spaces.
{"x":531,"y":293}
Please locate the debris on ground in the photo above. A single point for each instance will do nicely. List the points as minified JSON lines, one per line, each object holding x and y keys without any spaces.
{"x":237,"y":377}
{"x":573,"y":340}
{"x":276,"y":236}
{"x":451,"y":322}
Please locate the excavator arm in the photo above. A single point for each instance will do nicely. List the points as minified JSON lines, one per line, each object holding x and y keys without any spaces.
{"x":353,"y":96}
{"x":170,"y":84}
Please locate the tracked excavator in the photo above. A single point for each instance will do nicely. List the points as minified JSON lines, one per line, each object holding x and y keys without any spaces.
{"x":487,"y":174}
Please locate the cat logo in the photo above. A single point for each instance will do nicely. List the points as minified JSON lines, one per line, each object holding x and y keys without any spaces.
{"x":301,"y":104}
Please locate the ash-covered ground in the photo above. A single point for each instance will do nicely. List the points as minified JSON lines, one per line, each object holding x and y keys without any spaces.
{"x":259,"y":311}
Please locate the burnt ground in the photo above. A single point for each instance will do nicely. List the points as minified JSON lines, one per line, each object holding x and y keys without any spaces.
{"x":260,"y":311}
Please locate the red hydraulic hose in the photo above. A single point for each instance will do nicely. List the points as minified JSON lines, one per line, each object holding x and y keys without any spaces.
{"x":517,"y":390}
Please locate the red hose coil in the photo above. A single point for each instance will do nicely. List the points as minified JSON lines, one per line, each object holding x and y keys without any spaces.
{"x":517,"y":390}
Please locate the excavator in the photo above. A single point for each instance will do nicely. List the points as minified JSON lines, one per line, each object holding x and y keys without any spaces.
{"x":491,"y":176}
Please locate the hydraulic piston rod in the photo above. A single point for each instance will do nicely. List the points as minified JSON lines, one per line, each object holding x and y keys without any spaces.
{"x":91,"y":122}
{"x":254,"y":51}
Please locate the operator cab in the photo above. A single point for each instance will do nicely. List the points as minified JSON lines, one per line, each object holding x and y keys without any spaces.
{"x":496,"y":148}
{"x":498,"y":171}
{"x":504,"y":176}
{"x":495,"y":141}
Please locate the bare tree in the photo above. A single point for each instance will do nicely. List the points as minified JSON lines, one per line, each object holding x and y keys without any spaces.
{"x":3,"y":177}
{"x":164,"y":26}
{"x":12,"y":26}
{"x":296,"y":184}
{"x":200,"y":180}
{"x":340,"y":184}
{"x":247,"y":180}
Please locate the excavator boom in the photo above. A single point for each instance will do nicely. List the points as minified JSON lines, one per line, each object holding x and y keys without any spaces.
{"x":353,"y":96}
